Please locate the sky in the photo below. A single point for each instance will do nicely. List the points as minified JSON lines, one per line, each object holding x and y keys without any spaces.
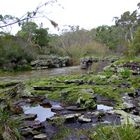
{"x":87,"y":14}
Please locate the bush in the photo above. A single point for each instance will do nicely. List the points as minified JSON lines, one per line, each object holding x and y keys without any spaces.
{"x":14,"y":52}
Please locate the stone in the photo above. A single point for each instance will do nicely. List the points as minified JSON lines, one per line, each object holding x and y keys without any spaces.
{"x":40,"y":137}
{"x":46,"y":103}
{"x":84,"y":119}
{"x":56,"y":108}
{"x":75,"y":108}
{"x":106,"y":122}
{"x":28,"y":131}
{"x":51,"y":61}
{"x":128,"y":104}
{"x":67,"y":117}
{"x":127,"y":118}
{"x":29,"y":117}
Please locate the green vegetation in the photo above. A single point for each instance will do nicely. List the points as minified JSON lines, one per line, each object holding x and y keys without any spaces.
{"x":16,"y":52}
{"x":123,"y":132}
{"x":114,"y":81}
{"x":8,"y":126}
{"x":121,"y":40}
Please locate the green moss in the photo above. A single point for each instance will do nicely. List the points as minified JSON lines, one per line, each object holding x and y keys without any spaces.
{"x":56,"y":96}
{"x":108,"y":83}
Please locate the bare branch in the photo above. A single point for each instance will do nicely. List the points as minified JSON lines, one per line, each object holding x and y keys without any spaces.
{"x":9,"y":20}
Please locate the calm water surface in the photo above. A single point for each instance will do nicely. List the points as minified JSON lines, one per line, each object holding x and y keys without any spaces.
{"x":28,"y":75}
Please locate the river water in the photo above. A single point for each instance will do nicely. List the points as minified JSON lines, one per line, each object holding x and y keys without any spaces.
{"x":28,"y":75}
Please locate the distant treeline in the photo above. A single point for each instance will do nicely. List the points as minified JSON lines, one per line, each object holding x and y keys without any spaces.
{"x":123,"y":38}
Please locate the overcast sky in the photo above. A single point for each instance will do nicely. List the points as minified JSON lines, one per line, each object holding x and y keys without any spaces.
{"x":85,"y":13}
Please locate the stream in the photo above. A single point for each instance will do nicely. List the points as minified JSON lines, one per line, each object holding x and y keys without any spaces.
{"x":28,"y":75}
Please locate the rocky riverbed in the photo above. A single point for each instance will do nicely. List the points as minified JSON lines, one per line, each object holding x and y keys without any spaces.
{"x":71,"y":107}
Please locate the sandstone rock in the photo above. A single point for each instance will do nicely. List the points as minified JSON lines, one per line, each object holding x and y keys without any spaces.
{"x":29,"y":117}
{"x":46,"y":103}
{"x":75,"y":108}
{"x":84,"y":119}
{"x":28,"y":131}
{"x":40,"y":137}
{"x":56,"y":108}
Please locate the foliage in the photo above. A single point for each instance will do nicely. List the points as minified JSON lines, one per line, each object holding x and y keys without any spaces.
{"x":62,"y":134}
{"x":41,"y":37}
{"x":111,"y":36}
{"x":14,"y":53}
{"x":134,"y":48}
{"x":123,"y":132}
{"x":8,"y":126}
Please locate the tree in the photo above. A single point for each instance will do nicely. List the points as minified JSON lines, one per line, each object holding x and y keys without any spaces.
{"x":129,"y":22}
{"x":31,"y":33}
{"x":135,"y":44}
{"x":41,"y":37}
{"x":111,"y":36}
{"x":27,"y":30}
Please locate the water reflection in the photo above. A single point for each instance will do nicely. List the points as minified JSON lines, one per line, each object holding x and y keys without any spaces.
{"x":104,"y":107}
{"x":42,"y":113}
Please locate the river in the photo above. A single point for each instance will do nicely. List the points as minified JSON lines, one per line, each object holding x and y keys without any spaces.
{"x":28,"y":75}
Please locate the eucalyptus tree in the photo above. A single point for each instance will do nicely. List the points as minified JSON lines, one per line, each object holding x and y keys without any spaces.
{"x":129,"y":22}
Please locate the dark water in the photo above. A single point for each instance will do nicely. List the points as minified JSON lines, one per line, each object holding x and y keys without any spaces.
{"x":22,"y":76}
